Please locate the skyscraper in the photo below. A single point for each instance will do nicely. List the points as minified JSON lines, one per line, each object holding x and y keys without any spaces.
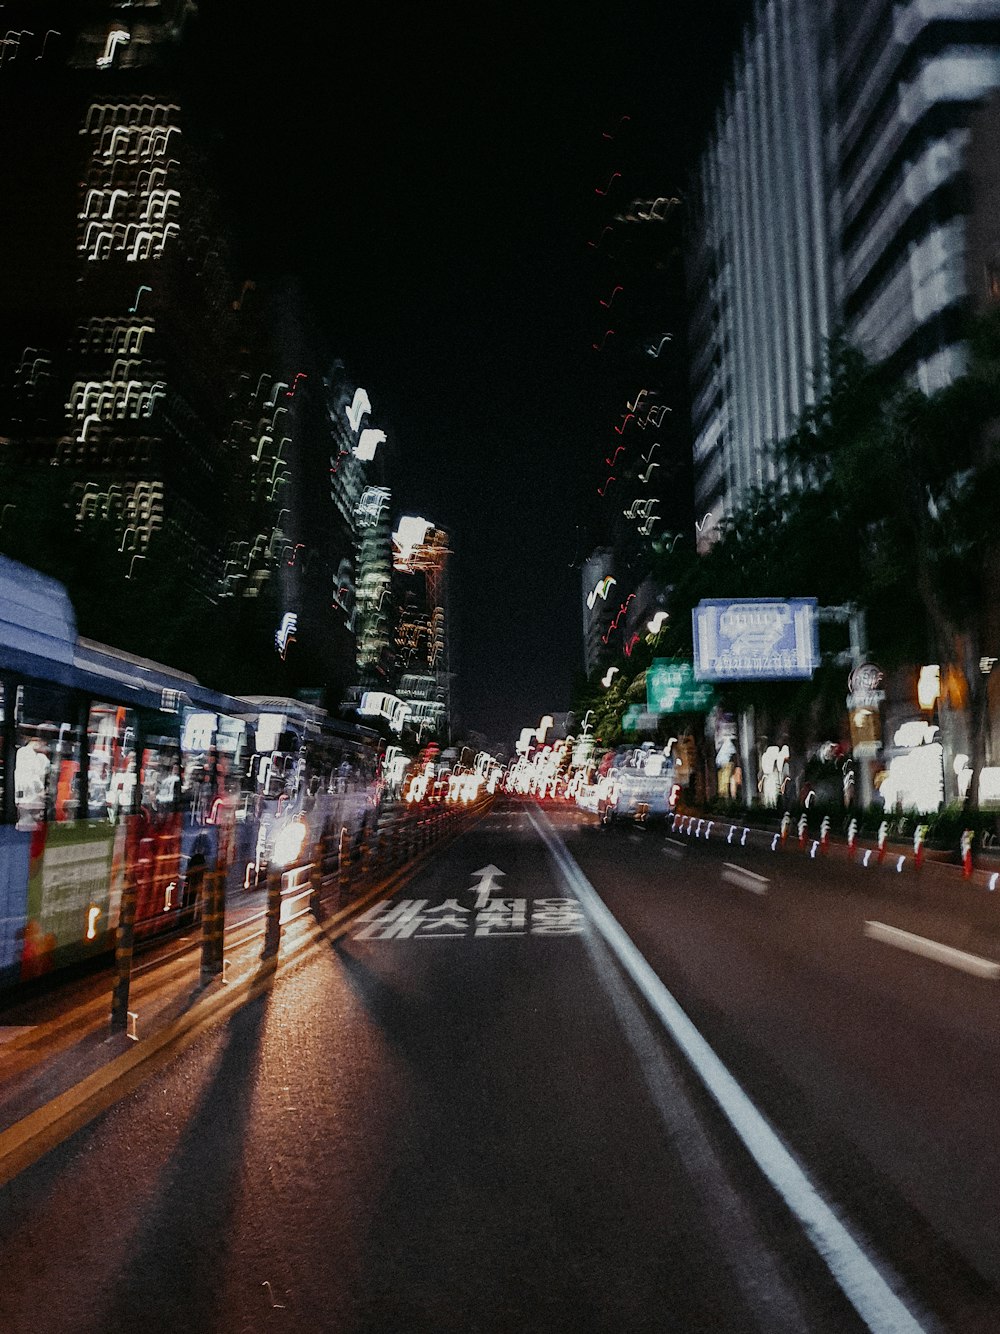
{"x":117,"y":316}
{"x":834,"y":195}
{"x":909,"y":78}
{"x":423,"y":672}
{"x":761,"y":247}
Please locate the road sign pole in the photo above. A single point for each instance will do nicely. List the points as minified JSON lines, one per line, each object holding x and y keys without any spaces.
{"x":748,"y":758}
{"x":859,"y":652}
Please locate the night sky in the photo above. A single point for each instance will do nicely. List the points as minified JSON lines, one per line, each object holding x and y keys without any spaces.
{"x":434,"y":185}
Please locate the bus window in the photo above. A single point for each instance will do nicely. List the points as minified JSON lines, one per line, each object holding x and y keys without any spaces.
{"x":111,"y":777}
{"x":280,"y":774}
{"x":46,"y":758}
{"x":161,"y":774}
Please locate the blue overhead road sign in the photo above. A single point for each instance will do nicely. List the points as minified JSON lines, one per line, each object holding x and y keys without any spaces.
{"x":755,"y":639}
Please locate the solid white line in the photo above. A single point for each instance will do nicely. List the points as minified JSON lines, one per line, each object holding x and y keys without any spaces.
{"x":869,"y":1286}
{"x":933,"y":949}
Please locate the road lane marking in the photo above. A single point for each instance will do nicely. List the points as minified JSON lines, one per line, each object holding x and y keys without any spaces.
{"x":409,"y":919}
{"x":759,"y":1274}
{"x":869,"y":1284}
{"x":739,"y":875}
{"x":13,"y":1032}
{"x":933,"y":949}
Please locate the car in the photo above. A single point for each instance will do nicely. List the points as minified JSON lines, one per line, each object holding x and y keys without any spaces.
{"x":632,"y":794}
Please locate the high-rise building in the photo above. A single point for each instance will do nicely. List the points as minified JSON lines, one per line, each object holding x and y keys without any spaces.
{"x":117,"y":316}
{"x":761,"y":247}
{"x":376,"y":613}
{"x":422,"y":667}
{"x":834,"y":195}
{"x":143,"y":322}
{"x":597,"y":585}
{"x":164,"y":406}
{"x":909,"y":78}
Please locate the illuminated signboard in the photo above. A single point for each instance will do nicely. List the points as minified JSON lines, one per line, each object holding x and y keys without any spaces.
{"x":671,"y":688}
{"x":755,"y":639}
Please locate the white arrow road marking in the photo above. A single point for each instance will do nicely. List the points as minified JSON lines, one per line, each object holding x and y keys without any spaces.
{"x":933,"y":949}
{"x":489,"y":874}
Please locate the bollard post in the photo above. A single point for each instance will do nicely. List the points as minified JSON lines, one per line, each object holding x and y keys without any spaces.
{"x":824,"y":834}
{"x":883,"y":834}
{"x":360,"y":841}
{"x":852,"y":837}
{"x":344,"y":859}
{"x":967,"y":838}
{"x":316,"y":879}
{"x":803,"y":826}
{"x":123,"y":952}
{"x":786,"y":821}
{"x":919,"y":834}
{"x":272,"y":919}
{"x":213,"y":923}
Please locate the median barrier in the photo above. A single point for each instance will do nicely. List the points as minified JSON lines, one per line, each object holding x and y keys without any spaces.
{"x":959,"y":866}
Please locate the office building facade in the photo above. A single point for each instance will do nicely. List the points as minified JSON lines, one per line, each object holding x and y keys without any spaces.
{"x":834,"y":195}
{"x":760,"y":246}
{"x":909,"y":79}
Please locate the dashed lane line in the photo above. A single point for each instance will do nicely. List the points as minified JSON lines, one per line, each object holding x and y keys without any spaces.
{"x":933,"y":949}
{"x":739,"y":875}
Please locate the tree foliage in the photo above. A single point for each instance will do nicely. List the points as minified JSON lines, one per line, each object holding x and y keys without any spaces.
{"x":891,"y":505}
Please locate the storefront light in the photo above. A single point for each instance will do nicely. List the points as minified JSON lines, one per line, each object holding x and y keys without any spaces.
{"x":929,"y":686}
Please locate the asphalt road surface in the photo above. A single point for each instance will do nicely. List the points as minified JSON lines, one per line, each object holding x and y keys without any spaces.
{"x":494,"y":1105}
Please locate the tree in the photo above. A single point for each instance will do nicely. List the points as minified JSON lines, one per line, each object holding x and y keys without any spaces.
{"x":915,"y":476}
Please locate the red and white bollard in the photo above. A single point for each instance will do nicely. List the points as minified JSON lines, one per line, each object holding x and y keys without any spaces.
{"x":852,"y":838}
{"x":967,"y":838}
{"x":824,"y":834}
{"x":786,"y":821}
{"x":919,"y":834}
{"x":883,"y":834}
{"x":803,"y":825}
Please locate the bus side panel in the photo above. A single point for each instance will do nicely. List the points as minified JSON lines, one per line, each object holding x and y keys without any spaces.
{"x":69,"y":894}
{"x":157,"y":858}
{"x":15,"y":847}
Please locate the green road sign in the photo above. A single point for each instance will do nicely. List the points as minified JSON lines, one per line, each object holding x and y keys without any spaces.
{"x":671,"y":688}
